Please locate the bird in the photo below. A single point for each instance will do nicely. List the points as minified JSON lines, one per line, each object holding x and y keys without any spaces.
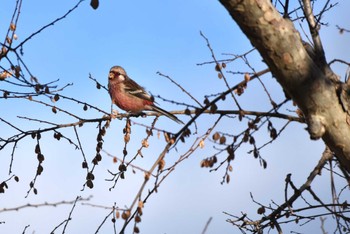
{"x":130,"y":96}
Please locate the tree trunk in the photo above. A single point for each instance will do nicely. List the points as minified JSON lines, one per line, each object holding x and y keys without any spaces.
{"x":315,"y":92}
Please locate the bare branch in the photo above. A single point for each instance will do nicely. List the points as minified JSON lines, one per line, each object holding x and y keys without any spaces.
{"x":53,"y":204}
{"x":48,"y":25}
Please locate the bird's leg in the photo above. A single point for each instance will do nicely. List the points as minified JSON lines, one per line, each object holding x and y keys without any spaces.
{"x":114,"y":114}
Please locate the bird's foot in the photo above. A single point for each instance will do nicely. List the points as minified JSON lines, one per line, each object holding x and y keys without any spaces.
{"x":114,"y":114}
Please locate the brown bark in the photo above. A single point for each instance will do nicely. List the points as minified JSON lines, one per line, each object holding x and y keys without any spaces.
{"x":281,"y":47}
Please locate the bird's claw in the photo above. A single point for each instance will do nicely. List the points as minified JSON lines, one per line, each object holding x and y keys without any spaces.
{"x":114,"y":114}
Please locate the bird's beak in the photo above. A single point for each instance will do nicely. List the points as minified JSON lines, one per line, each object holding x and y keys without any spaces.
{"x":110,"y":76}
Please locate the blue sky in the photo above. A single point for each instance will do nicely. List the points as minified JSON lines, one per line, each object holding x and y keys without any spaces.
{"x":146,"y":37}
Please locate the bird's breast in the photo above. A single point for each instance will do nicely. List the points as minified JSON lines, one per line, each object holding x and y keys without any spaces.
{"x":127,"y":101}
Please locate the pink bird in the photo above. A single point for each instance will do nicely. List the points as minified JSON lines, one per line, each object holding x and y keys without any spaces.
{"x":130,"y":96}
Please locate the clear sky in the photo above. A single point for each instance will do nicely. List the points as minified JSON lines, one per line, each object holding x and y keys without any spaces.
{"x":146,"y":37}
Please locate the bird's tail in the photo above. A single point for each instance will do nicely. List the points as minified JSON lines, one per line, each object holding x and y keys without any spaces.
{"x":167,"y":114}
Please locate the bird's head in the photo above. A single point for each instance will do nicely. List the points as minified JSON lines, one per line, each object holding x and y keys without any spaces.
{"x":117,"y":74}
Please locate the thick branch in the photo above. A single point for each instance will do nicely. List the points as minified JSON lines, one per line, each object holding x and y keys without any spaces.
{"x":281,"y":47}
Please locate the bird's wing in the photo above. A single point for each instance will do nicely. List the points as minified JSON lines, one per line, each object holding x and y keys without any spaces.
{"x":136,"y":90}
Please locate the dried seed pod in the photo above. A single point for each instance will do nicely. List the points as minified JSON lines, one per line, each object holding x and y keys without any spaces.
{"x":6,"y":94}
{"x":230,"y":157}
{"x":222,"y":140}
{"x":115,"y":159}
{"x":256,"y":153}
{"x":39,"y":170}
{"x":264,"y":163}
{"x":172,"y":140}
{"x":37,"y":149}
{"x":261,"y":210}
{"x":201,"y":144}
{"x":94,"y":161}
{"x":8,"y":40}
{"x":245,"y":137}
{"x":103,"y":131}
{"x":56,"y":97}
{"x":218,"y":67}
{"x":3,"y":50}
{"x":137,"y":219}
{"x":140,"y":204}
{"x":147,"y":175}
{"x":213,"y":108}
{"x":229,"y":149}
{"x":54,"y":110}
{"x":127,"y":138}
{"x":251,"y":140}
{"x":122,"y":167}
{"x":94,"y":4}
{"x":99,"y":137}
{"x":84,"y":165}
{"x":287,"y":214}
{"x":126,"y":214}
{"x":90,"y":176}
{"x":273,"y":133}
{"x":57,"y":135}
{"x":89,"y":184}
{"x":145,"y":143}
{"x":4,"y":185}
{"x":216,"y":136}
{"x":40,"y":157}
{"x":98,"y":157}
{"x":12,"y":27}
{"x":246,"y":77}
{"x":161,"y":165}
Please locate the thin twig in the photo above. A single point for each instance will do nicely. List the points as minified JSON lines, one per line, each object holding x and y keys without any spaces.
{"x":70,"y":214}
{"x":53,"y":204}
{"x":48,"y":25}
{"x":180,"y":87}
{"x":207,"y":225}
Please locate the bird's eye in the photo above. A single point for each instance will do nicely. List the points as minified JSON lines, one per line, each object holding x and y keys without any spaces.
{"x":115,"y":73}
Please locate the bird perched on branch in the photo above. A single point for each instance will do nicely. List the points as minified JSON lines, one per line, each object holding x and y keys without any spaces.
{"x":130,"y":96}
